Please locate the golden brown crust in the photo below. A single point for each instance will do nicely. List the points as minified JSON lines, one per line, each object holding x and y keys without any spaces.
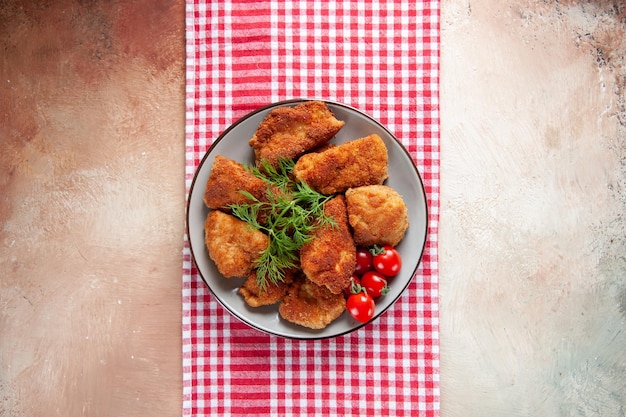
{"x":377,"y":214}
{"x":288,"y":132}
{"x":232,"y":244}
{"x":352,"y":164}
{"x":273,"y":293}
{"x":226,"y":181}
{"x":330,"y":257}
{"x":311,"y":305}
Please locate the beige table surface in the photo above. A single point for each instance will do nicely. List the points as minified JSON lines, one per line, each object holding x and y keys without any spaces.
{"x":533,"y":206}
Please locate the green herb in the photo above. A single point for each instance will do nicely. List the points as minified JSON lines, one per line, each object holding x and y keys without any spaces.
{"x":277,"y":176}
{"x":290,"y":214}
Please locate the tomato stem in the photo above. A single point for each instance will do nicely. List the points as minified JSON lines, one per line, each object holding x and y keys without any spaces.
{"x":377,"y":250}
{"x":356,"y":288}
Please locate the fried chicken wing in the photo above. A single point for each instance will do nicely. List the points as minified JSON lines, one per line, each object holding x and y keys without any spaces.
{"x":226,"y":181}
{"x":288,"y":132}
{"x":232,"y":244}
{"x":311,"y":305}
{"x":330,"y":257}
{"x":352,"y":164}
{"x":377,"y":214}
{"x":256,"y":297}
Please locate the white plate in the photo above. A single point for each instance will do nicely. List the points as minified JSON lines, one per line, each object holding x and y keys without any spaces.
{"x":233,"y":144}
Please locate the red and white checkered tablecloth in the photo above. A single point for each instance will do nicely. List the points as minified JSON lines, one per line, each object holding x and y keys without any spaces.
{"x":382,"y":58}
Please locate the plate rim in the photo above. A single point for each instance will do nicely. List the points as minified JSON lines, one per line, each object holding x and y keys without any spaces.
{"x":285,"y":103}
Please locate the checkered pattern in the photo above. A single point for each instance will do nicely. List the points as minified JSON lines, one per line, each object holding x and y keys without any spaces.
{"x":383,"y":58}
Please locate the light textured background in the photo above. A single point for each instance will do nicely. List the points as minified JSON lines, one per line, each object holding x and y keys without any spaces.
{"x":532,"y":227}
{"x":532,"y":234}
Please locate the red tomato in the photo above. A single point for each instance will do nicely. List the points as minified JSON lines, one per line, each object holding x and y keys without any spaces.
{"x":374,"y":283}
{"x":363,"y":261}
{"x":388,"y":262}
{"x":361,"y":306}
{"x":354,"y":280}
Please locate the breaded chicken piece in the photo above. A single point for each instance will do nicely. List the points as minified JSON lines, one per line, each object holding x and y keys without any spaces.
{"x":233,"y":245}
{"x":351,"y":164}
{"x":311,"y":305}
{"x":377,"y":214}
{"x":256,"y":297}
{"x":288,"y":132}
{"x":226,"y":181}
{"x":330,"y":257}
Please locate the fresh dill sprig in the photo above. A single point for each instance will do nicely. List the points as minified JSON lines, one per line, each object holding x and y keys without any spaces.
{"x":277,"y":176}
{"x":290,"y":214}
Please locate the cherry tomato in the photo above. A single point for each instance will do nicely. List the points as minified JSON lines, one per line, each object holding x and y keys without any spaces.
{"x":363,"y":261}
{"x":374,"y":283}
{"x":361,"y":306}
{"x":354,"y":280}
{"x":388,"y":262}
